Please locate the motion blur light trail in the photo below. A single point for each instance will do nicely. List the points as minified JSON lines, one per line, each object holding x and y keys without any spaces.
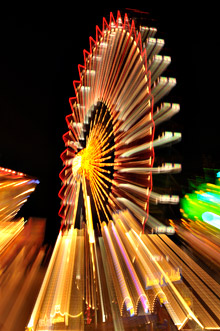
{"x":15,"y":188}
{"x":137,"y":278}
{"x":201,"y":222}
{"x":21,"y":250}
{"x":212,"y":219}
{"x":105,"y":268}
{"x":205,"y":200}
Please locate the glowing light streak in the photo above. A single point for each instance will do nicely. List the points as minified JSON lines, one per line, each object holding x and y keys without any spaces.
{"x":15,"y":188}
{"x":154,"y":46}
{"x":157,"y":65}
{"x":143,"y":261}
{"x":164,"y":198}
{"x":134,"y":188}
{"x":9,"y":232}
{"x":138,"y":212}
{"x":161,"y":87}
{"x":73,"y":218}
{"x":76,"y":164}
{"x":166,"y":168}
{"x":96,"y":202}
{"x":61,"y":298}
{"x":165,"y":112}
{"x":97,"y":196}
{"x":209,"y":197}
{"x":186,"y":307}
{"x":35,"y":313}
{"x":118,"y":270}
{"x":20,"y":183}
{"x":211,"y":218}
{"x":100,"y":286}
{"x":146,"y":31}
{"x":183,"y":323}
{"x":65,"y":314}
{"x":166,"y":138}
{"x":203,"y":206}
{"x":24,"y":193}
{"x":135,"y":279}
{"x":90,"y":222}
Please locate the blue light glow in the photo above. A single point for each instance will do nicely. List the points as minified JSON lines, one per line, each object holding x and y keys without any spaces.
{"x":212,"y":219}
{"x":209,"y":197}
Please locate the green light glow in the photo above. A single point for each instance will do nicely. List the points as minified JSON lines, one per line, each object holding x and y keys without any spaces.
{"x":203,"y":205}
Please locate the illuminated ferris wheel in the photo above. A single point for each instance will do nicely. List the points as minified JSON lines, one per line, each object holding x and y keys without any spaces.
{"x":110,"y":145}
{"x":109,"y":162}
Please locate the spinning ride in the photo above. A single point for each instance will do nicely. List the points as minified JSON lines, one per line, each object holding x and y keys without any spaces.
{"x":110,"y":143}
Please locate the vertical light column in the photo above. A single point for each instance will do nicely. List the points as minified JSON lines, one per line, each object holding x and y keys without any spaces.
{"x":137,"y":284}
{"x":120,"y":276}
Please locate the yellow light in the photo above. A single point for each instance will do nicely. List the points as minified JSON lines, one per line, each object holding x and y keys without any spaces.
{"x":90,"y":223}
{"x":167,"y":279}
{"x":67,"y":314}
{"x":76,"y":163}
{"x":25,"y":192}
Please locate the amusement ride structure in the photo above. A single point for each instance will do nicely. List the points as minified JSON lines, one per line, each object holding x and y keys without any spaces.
{"x":106,"y":269}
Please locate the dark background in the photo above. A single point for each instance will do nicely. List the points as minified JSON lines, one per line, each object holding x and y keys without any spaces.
{"x":40,"y":49}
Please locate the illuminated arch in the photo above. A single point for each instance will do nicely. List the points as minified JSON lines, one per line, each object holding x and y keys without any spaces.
{"x":139,"y":302}
{"x":161,"y":296}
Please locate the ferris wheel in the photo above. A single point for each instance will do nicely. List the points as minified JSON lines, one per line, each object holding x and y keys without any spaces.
{"x":107,"y":181}
{"x":111,"y":142}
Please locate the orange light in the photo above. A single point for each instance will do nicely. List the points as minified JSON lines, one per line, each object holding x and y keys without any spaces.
{"x":88,"y":157}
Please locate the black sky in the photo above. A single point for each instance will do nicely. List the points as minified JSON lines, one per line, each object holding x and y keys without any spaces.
{"x":39,"y":54}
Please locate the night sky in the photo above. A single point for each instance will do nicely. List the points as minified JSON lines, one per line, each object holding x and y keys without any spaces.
{"x":39,"y":54}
